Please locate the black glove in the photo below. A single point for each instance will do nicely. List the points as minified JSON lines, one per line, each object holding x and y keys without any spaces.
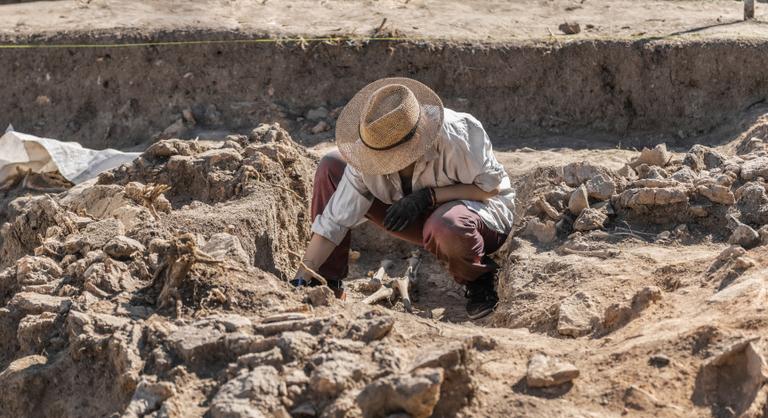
{"x":407,"y":209}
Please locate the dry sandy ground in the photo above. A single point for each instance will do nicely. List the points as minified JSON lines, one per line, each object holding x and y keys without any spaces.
{"x":478,"y":20}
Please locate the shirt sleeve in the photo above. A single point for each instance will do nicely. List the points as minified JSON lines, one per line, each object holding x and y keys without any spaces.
{"x":471,"y":158}
{"x":345,"y":209}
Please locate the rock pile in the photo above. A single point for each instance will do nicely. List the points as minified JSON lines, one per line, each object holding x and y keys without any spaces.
{"x":110,"y":305}
{"x":703,"y":188}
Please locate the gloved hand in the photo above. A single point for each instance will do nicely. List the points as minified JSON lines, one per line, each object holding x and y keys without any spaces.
{"x":303,"y":278}
{"x":407,"y":209}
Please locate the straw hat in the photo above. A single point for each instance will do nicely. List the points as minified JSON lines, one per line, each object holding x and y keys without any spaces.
{"x":388,"y":125}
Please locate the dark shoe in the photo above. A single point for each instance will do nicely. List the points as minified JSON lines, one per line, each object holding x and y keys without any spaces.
{"x":338,"y":288}
{"x":482,"y":296}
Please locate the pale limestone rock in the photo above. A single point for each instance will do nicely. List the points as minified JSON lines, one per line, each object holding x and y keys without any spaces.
{"x":578,"y":201}
{"x":545,"y":371}
{"x":590,"y":219}
{"x":577,"y":315}
{"x":415,"y":393}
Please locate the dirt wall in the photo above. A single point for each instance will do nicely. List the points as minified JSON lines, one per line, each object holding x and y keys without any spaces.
{"x":117,"y":97}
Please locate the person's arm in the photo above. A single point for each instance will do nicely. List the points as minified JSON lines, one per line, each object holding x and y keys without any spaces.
{"x":318,"y":250}
{"x":346,"y":207}
{"x":463,"y":192}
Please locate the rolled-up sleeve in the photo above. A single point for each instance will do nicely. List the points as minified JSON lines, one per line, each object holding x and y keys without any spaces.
{"x":472,"y":158}
{"x":346,"y":208}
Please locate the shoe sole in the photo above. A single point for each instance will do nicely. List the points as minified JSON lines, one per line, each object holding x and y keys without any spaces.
{"x":480,"y":314}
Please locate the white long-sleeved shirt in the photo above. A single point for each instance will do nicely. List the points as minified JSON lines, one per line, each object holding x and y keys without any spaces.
{"x":463,"y":154}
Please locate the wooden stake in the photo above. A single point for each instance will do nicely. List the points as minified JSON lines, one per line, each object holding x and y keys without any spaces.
{"x":749,"y":9}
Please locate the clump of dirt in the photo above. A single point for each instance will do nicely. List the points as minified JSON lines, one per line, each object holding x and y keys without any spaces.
{"x":256,"y":187}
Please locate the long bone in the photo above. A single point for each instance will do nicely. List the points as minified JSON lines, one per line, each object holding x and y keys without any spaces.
{"x":400,"y":284}
{"x":409,"y":279}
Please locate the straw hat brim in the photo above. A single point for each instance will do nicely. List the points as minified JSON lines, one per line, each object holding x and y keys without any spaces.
{"x":375,"y":162}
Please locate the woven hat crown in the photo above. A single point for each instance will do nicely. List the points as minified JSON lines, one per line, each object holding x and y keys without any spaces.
{"x":390,"y":117}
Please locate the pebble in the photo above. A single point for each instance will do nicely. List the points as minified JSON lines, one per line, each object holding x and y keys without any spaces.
{"x":659,"y":360}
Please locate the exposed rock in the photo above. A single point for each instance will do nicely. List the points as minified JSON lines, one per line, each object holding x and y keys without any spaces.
{"x":222,"y":158}
{"x":578,"y":201}
{"x":95,"y":236}
{"x":148,"y":397}
{"x":34,"y":331}
{"x":122,"y":247}
{"x":754,"y":168}
{"x":196,"y":345}
{"x":701,"y":157}
{"x":575,"y":174}
{"x":627,"y":172}
{"x":717,"y":194}
{"x":229,"y":321}
{"x":320,"y":296}
{"x":544,"y":232}
{"x":731,"y":252}
{"x":763,"y":232}
{"x":273,"y":357}
{"x":454,"y":359}
{"x":548,"y":209}
{"x":545,"y":371}
{"x":21,"y":385}
{"x":731,"y":379}
{"x":35,"y":303}
{"x":619,"y":314}
{"x":416,"y":394}
{"x":684,"y":175}
{"x":36,"y":270}
{"x":745,"y":236}
{"x":577,"y":315}
{"x":743,"y":263}
{"x":645,"y":171}
{"x":658,"y":156}
{"x":655,"y":182}
{"x":225,"y":246}
{"x":336,"y":374}
{"x":752,"y":202}
{"x":254,"y":393}
{"x":601,"y":187}
{"x":641,"y":400}
{"x":651,"y":197}
{"x":371,"y":326}
{"x":296,"y":345}
{"x":590,"y":219}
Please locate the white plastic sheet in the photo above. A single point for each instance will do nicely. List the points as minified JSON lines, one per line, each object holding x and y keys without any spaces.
{"x":44,"y":155}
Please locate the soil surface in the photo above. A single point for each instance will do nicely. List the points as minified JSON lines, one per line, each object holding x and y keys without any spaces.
{"x":480,"y":20}
{"x":633,"y":284}
{"x":123,"y":296}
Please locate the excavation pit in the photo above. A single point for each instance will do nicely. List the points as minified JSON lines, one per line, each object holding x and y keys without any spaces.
{"x":179,"y":305}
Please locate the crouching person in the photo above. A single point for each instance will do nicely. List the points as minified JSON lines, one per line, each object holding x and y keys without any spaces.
{"x":423,"y":173}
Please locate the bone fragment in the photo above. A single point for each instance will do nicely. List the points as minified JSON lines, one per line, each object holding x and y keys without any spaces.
{"x":383,"y":293}
{"x":378,"y":278}
{"x":591,"y":253}
{"x":409,"y":279}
